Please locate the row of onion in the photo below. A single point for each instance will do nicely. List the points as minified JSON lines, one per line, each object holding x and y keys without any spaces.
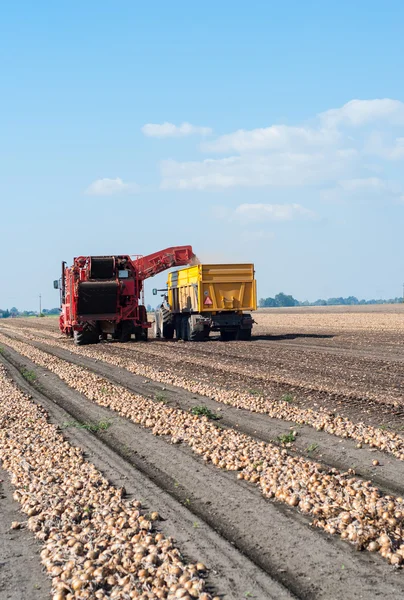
{"x":321,"y":420}
{"x":339,"y":502}
{"x":96,"y":543}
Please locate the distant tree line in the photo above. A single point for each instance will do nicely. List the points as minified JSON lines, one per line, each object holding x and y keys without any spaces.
{"x":279,"y":300}
{"x":282,"y":299}
{"x":14,"y":312}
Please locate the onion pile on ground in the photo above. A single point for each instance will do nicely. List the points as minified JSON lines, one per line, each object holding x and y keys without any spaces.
{"x":337,"y":425}
{"x":96,"y":544}
{"x":340,"y":503}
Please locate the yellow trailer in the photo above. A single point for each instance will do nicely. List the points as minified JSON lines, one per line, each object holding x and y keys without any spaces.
{"x":208,"y":297}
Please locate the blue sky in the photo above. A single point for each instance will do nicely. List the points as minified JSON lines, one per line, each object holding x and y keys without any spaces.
{"x":267,"y":132}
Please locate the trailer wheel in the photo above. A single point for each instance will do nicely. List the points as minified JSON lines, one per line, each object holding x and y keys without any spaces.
{"x":228,"y":336}
{"x":185,"y":329}
{"x":166,"y":323}
{"x":196,"y":332}
{"x":244,"y":335}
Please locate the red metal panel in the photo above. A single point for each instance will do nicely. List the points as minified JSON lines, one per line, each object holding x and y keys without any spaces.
{"x":130,"y":289}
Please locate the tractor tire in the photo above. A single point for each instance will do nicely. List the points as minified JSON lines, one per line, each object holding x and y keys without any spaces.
{"x":126,"y":331}
{"x":123,"y":332}
{"x":166,"y":323}
{"x":83,"y":338}
{"x":141,"y":335}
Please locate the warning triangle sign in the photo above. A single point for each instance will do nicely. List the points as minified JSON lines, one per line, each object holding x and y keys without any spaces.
{"x":208,"y":301}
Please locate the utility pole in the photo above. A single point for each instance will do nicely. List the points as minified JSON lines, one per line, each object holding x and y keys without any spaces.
{"x":40,"y":304}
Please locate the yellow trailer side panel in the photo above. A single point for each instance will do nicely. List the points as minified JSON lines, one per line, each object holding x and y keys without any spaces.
{"x":212,"y":288}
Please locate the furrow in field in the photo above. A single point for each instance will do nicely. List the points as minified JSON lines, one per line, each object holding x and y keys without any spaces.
{"x":197,"y":502}
{"x":96,"y":544}
{"x":332,"y":451}
{"x":307,"y":372}
{"x":195,"y":512}
{"x":387,"y":441}
{"x":340,"y":503}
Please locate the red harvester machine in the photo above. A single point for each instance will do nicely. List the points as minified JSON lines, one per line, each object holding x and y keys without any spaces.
{"x":101,"y":295}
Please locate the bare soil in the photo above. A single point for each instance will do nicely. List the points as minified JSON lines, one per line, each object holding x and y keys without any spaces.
{"x":123,"y":453}
{"x":349,"y":360}
{"x":21,"y":574}
{"x":276,"y":544}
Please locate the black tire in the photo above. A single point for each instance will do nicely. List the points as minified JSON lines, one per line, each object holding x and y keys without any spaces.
{"x":123,"y":331}
{"x":244,"y":335}
{"x":141,"y":335}
{"x":125,"y":336}
{"x":167,"y":323}
{"x":83,"y":338}
{"x":228,"y":336}
{"x":196,"y":333}
{"x":185,"y":329}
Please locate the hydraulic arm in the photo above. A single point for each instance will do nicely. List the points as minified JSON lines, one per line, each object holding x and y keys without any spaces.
{"x":152,"y":264}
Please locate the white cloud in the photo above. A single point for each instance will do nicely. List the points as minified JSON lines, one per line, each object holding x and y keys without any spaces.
{"x":276,"y":137}
{"x":165,"y":130}
{"x":272,"y":212}
{"x":109,"y":187}
{"x":332,"y":150}
{"x":252,"y":170}
{"x":363,"y":188}
{"x":261,"y":212}
{"x":322,"y":133}
{"x":245,"y":216}
{"x":384,"y":146}
{"x":396,"y":151}
{"x":361,"y":112}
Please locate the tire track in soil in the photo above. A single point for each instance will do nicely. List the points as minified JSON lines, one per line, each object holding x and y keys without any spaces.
{"x":311,"y":371}
{"x":354,"y":353}
{"x":275,"y":537}
{"x":123,"y":461}
{"x":381,"y":411}
{"x":331,"y":451}
{"x":120,"y":350}
{"x":21,"y":572}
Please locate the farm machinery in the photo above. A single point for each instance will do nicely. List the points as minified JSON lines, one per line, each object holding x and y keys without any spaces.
{"x":204,"y":298}
{"x":103,"y":295}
